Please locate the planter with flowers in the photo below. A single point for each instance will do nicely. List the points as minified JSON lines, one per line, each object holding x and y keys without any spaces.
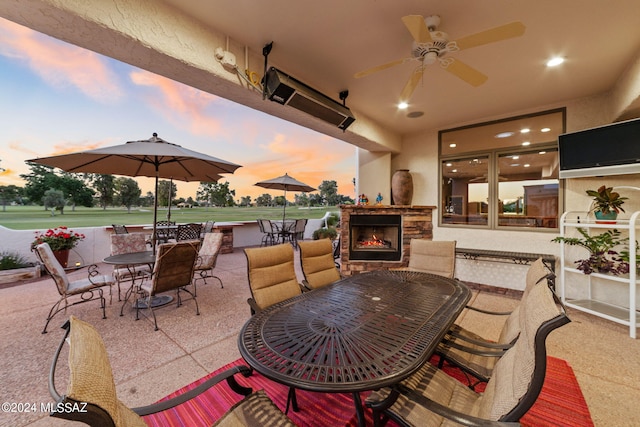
{"x":61,"y":240}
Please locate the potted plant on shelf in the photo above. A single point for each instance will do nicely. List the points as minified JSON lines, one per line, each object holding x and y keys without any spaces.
{"x":61,"y":240}
{"x":602,"y":256}
{"x":607,"y":204}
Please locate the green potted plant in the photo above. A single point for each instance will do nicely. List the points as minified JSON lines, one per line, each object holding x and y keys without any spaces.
{"x":324,"y":233}
{"x":14,"y":267}
{"x":607,"y":204}
{"x":61,"y":240}
{"x":602,"y":256}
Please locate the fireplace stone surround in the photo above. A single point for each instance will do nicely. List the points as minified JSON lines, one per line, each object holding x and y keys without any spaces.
{"x":416,"y":224}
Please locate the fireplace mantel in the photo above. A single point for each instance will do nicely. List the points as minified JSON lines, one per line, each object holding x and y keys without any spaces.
{"x":416,"y":224}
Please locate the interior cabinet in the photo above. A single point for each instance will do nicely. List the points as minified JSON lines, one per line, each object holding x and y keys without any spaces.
{"x":594,"y":304}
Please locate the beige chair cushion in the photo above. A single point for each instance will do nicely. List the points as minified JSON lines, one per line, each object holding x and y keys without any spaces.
{"x":91,"y":379}
{"x":436,"y":257}
{"x":254,"y":410}
{"x":316,"y":260}
{"x":272,"y":276}
{"x":208,"y":254}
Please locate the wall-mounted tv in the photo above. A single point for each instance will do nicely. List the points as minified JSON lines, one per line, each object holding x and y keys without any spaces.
{"x":607,"y":150}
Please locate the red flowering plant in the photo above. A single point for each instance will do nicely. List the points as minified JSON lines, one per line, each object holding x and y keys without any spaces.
{"x":59,"y":238}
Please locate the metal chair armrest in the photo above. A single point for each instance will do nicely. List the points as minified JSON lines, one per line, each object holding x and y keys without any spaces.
{"x":492,"y":313}
{"x":254,"y":306}
{"x":481,"y":343}
{"x":486,"y":352}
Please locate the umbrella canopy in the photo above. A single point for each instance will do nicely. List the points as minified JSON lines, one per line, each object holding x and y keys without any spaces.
{"x":153,"y":157}
{"x":286,"y":183}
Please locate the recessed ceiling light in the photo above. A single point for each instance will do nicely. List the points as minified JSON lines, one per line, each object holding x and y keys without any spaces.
{"x":515,"y":157}
{"x":453,"y":145}
{"x":526,"y":165}
{"x":542,"y":152}
{"x":525,"y":130}
{"x":526,"y":143}
{"x":504,"y":134}
{"x":545,"y":129}
{"x":555,"y":61}
{"x":403,"y":106}
{"x":449,"y":164}
{"x":454,"y":170}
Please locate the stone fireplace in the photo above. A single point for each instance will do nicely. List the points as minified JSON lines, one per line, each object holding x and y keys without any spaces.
{"x":377,"y":237}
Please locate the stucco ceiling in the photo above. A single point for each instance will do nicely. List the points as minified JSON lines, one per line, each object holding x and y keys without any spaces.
{"x":324,"y":43}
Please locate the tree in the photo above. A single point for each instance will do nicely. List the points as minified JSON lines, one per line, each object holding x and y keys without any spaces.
{"x":264,"y":200}
{"x":105,"y":186}
{"x":216,"y":193}
{"x":75,"y":190}
{"x":8,"y":194}
{"x":329,"y":192}
{"x":127,"y":192}
{"x":53,"y":199}
{"x":302,"y":199}
{"x":163,"y":192}
{"x":245,"y":201}
{"x":147,"y":200}
{"x":40,"y":179}
{"x":279,"y":200}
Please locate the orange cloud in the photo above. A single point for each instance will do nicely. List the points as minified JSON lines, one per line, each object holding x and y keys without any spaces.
{"x":59,"y":64}
{"x":184,"y":106}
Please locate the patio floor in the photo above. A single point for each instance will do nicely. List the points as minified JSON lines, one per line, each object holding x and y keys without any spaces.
{"x":148,"y":365}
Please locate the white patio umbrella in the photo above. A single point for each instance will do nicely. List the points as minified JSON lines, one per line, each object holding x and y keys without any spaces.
{"x":153,"y":157}
{"x":286,"y":183}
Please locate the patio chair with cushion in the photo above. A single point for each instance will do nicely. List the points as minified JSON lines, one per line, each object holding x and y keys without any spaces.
{"x":173,"y":270}
{"x":189,"y":231}
{"x":92,"y":390}
{"x":207,"y":257}
{"x":86,"y":290}
{"x":126,"y":244}
{"x":272,"y":275}
{"x":119,"y":229}
{"x":477,"y":355}
{"x":316,"y":261}
{"x":431,"y":397}
{"x":207,"y":228}
{"x":297,"y":234}
{"x":431,"y":256}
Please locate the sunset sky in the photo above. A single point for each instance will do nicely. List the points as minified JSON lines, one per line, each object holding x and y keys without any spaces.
{"x":57,"y":98}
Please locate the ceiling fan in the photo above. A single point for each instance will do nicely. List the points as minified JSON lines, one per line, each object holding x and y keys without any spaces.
{"x":431,"y":45}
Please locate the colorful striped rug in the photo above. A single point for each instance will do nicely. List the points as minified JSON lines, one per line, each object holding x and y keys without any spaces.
{"x":560,"y":403}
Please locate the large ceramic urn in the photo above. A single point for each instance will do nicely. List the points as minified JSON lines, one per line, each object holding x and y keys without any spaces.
{"x":402,"y":187}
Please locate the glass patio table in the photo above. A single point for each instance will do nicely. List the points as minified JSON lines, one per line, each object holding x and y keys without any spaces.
{"x":361,"y":333}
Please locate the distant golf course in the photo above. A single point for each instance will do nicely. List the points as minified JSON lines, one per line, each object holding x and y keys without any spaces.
{"x":36,"y":217}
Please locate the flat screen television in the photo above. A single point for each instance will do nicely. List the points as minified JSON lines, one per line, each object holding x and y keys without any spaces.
{"x":606,"y":150}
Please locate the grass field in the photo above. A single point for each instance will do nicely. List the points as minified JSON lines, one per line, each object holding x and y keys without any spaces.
{"x":35,"y":217}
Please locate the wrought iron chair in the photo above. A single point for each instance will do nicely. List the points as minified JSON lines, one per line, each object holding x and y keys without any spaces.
{"x":207,"y":228}
{"x":268,"y":233}
{"x":88,"y":289}
{"x":298,"y":231}
{"x":207,"y":257}
{"x":432,"y":256}
{"x":272,"y":276}
{"x":477,"y":355}
{"x":164,"y":231}
{"x":126,"y":244}
{"x":431,"y":397}
{"x":316,"y":261}
{"x":119,"y":229}
{"x":173,"y":270}
{"x":189,"y":231}
{"x":91,"y":388}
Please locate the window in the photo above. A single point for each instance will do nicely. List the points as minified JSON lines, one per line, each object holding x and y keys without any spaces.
{"x":502,"y":174}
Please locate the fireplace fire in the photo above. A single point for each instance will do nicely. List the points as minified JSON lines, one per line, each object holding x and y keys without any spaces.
{"x":373,"y":242}
{"x":375,"y":237}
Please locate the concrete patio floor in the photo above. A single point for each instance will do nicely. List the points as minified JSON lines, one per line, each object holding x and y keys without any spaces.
{"x":148,"y":365}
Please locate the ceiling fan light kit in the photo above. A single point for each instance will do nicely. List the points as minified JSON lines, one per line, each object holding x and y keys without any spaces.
{"x":431,"y":45}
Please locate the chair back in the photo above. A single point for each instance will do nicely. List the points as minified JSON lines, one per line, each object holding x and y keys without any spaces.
{"x":272,"y":275}
{"x":208,"y":227}
{"x":189,"y":231}
{"x":128,"y":243}
{"x":518,"y":375}
{"x":316,"y":260}
{"x":174,"y":265}
{"x":119,"y":229}
{"x":209,"y":250}
{"x":436,"y":257}
{"x":299,"y":227}
{"x":53,"y":267}
{"x":266,"y":226}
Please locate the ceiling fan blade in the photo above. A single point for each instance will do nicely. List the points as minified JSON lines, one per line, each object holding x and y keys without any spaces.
{"x":463,"y":71}
{"x":418,"y":28}
{"x":379,"y":68}
{"x":405,"y":96}
{"x":514,"y":29}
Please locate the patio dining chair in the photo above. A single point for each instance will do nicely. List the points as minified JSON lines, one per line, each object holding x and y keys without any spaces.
{"x":91,"y":387}
{"x":207,"y":258}
{"x":86,"y":290}
{"x":431,"y":397}
{"x":164,"y":231}
{"x":126,"y":244}
{"x":189,"y":231}
{"x":119,"y":229}
{"x":316,"y":261}
{"x":477,"y":355}
{"x":268,"y":232}
{"x":432,"y":256}
{"x":173,"y":270}
{"x":206,"y":228}
{"x":297,"y":234}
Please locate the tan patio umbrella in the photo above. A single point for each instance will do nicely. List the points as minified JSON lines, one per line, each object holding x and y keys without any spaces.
{"x":153,"y":157}
{"x":286,"y":183}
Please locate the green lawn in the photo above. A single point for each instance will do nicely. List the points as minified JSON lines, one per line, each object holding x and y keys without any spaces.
{"x":35,"y":217}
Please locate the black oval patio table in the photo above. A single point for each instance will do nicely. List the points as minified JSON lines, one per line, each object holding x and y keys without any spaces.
{"x":361,"y":333}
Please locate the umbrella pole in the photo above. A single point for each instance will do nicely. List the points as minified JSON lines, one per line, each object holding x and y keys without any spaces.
{"x":169,"y":208}
{"x":155,"y":215}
